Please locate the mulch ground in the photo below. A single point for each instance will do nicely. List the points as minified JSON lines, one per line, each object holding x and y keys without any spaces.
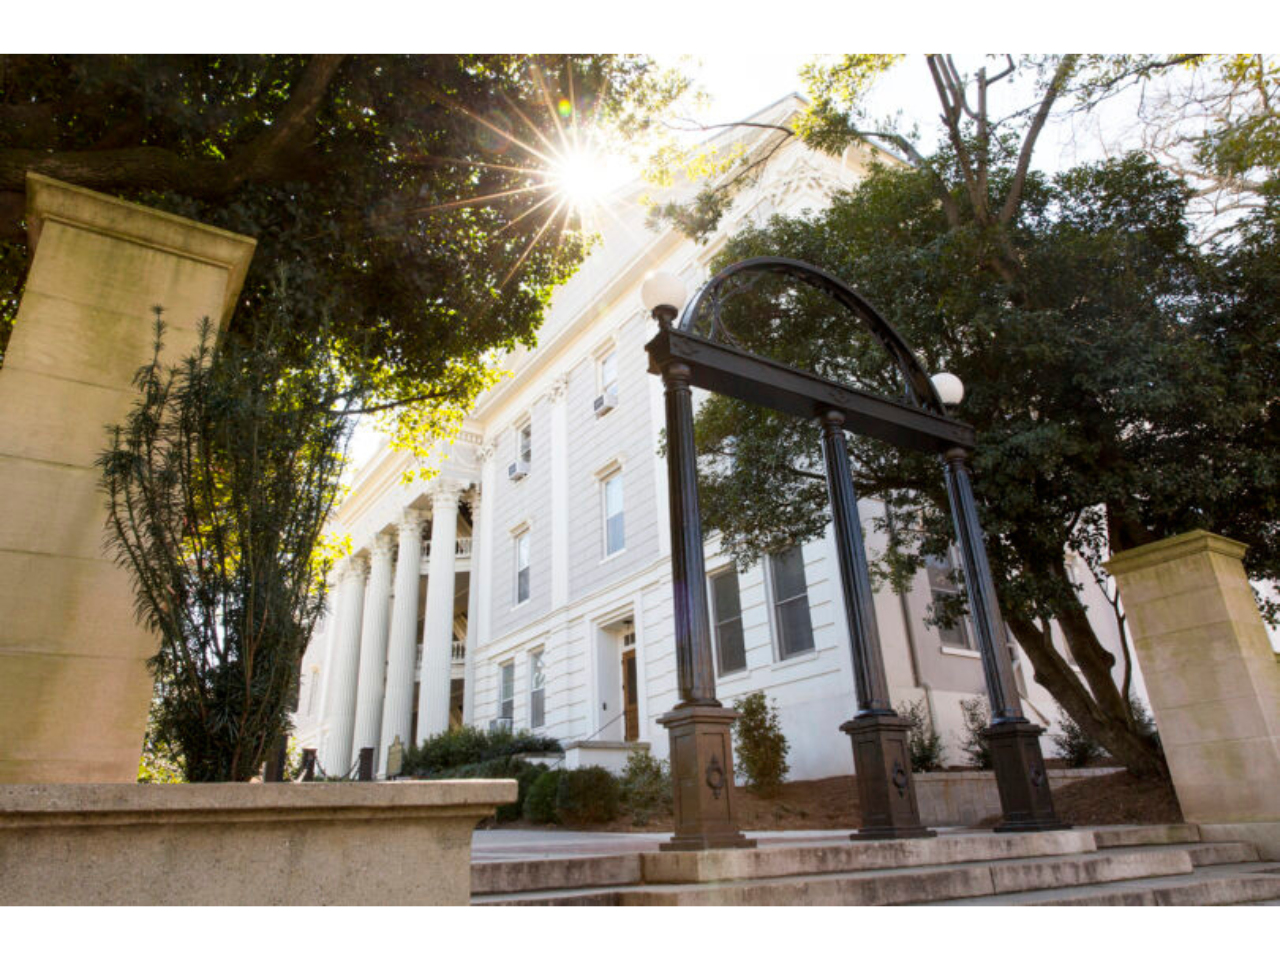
{"x":832,"y":804}
{"x":1117,"y":798}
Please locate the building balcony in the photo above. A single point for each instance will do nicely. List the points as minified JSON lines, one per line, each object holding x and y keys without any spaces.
{"x":462,"y":547}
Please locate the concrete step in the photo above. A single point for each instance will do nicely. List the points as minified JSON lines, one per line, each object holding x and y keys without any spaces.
{"x":513,"y":876}
{"x":1141,"y":835}
{"x":1210,"y":886}
{"x":879,"y":886}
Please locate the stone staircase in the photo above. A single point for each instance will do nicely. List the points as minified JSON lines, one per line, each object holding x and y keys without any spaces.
{"x":1140,"y":865}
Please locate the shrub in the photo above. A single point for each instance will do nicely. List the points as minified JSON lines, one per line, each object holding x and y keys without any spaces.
{"x":645,"y":787}
{"x":759,"y":743}
{"x":1074,"y":745}
{"x":522,"y":772}
{"x":540,"y":802}
{"x":923,"y":742}
{"x":974,"y":744}
{"x":587,"y":795}
{"x":469,"y":745}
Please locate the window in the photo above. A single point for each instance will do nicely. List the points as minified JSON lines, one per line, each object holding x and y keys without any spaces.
{"x":790,"y":603}
{"x":507,"y":691}
{"x":522,"y":566}
{"x":615,"y":534}
{"x":943,"y":585}
{"x":726,"y":614}
{"x":609,"y":373}
{"x":524,"y":443}
{"x":537,"y":691}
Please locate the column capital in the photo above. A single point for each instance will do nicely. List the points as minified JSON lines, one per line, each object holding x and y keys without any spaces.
{"x":485,"y":452}
{"x":383,"y":545}
{"x":559,"y":387}
{"x":445,"y":493}
{"x":411,"y":521}
{"x":352,"y":567}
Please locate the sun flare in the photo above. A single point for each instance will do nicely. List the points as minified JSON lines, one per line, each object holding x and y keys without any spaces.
{"x":581,"y":174}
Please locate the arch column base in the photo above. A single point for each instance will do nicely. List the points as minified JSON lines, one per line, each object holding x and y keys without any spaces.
{"x":702,"y":779}
{"x":886,"y":791}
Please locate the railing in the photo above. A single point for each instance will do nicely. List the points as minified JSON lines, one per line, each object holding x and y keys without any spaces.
{"x":458,"y":653}
{"x":462,"y":547}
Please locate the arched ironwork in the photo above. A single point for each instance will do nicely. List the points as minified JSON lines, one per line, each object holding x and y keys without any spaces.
{"x":698,"y":724}
{"x":707,"y":303}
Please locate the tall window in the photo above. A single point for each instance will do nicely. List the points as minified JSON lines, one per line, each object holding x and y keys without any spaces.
{"x":790,"y":602}
{"x":522,"y":567}
{"x":615,"y":534}
{"x":524,"y":444}
{"x":609,"y":373}
{"x":537,"y":691}
{"x":942,"y":586}
{"x":507,"y":691}
{"x":726,"y":613}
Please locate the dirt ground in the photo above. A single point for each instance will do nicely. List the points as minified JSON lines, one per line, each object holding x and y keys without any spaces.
{"x":832,"y":804}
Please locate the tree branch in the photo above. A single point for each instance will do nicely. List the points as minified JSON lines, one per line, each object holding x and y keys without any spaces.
{"x":1060,"y":76}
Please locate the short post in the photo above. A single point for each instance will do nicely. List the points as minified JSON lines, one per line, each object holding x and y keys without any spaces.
{"x":881,"y":754}
{"x":699,"y":725}
{"x":308,"y":764}
{"x":365,"y":769}
{"x":1025,"y":796}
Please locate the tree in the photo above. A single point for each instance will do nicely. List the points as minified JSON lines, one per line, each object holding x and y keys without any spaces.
{"x":1119,"y":380}
{"x":410,"y":199}
{"x":409,"y":230}
{"x":1063,"y":305}
{"x":218,"y":485}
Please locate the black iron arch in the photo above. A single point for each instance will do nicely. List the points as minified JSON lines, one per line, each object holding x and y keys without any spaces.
{"x":920,"y":391}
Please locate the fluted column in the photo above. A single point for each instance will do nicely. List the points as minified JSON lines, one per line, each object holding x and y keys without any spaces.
{"x":373,"y":646}
{"x":478,"y":523}
{"x":341,"y":702}
{"x":437,"y":630}
{"x":397,"y":704}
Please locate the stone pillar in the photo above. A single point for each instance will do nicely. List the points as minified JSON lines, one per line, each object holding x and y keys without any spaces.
{"x":478,"y":523}
{"x":74,"y":684}
{"x":397,"y":704}
{"x":437,"y":629}
{"x":340,"y":704}
{"x":1213,"y":681}
{"x":373,"y":646}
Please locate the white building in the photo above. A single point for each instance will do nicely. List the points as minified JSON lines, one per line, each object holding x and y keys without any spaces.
{"x":542,"y":593}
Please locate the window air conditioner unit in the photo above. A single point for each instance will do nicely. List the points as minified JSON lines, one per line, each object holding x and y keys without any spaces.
{"x":605,"y":402}
{"x":518,"y":470}
{"x":502,"y":723}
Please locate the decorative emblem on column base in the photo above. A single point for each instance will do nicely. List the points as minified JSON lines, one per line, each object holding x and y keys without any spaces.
{"x":1025,"y":796}
{"x":702,"y":779}
{"x":886,"y":792}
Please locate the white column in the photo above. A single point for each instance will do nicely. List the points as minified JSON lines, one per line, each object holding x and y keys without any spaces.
{"x":489,"y":488}
{"x":478,"y":523}
{"x":397,"y":705}
{"x":559,"y":494}
{"x":373,"y":647}
{"x":341,"y":702}
{"x":437,"y":630}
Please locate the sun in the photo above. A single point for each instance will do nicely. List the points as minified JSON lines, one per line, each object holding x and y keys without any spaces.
{"x":581,"y":175}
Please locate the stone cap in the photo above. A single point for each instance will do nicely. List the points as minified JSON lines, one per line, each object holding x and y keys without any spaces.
{"x":20,"y":804}
{"x":1173,"y":548}
{"x":50,"y":199}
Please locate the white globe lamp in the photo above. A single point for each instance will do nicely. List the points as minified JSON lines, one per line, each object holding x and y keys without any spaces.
{"x":950,"y":388}
{"x":663,"y":294}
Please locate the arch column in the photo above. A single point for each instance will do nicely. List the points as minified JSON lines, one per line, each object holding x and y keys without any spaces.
{"x":397,"y":704}
{"x":340,"y":702}
{"x":437,"y":631}
{"x":373,"y":646}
